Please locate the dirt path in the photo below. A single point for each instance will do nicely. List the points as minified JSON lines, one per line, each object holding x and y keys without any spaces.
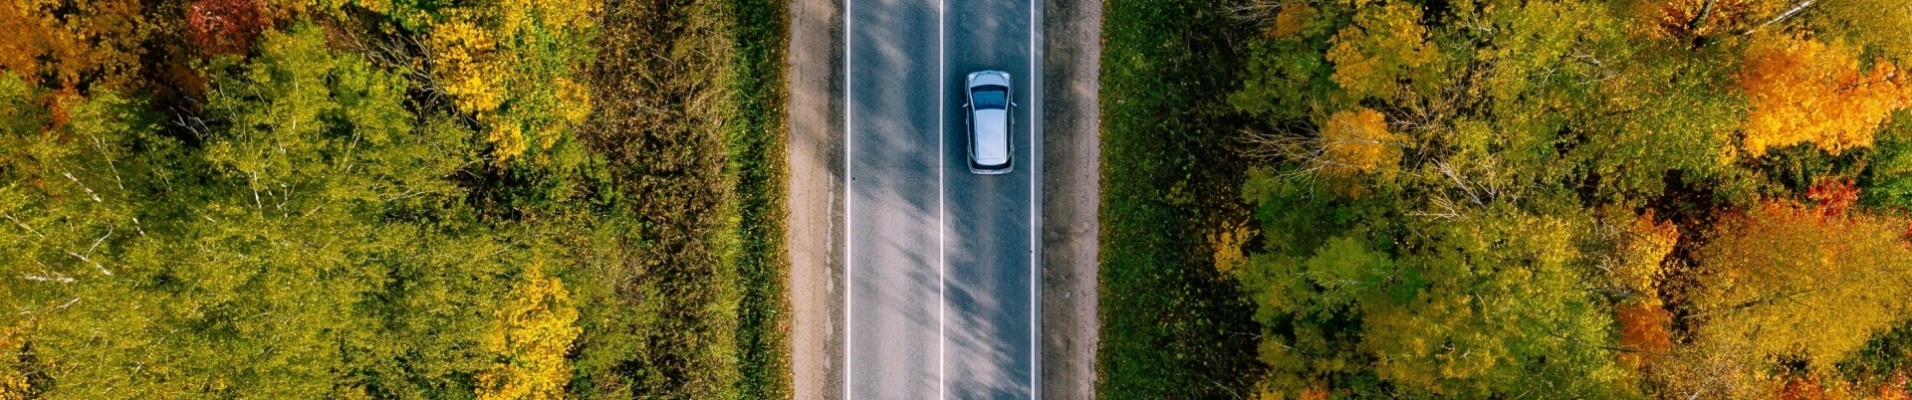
{"x":814,"y":226}
{"x":1072,"y":54}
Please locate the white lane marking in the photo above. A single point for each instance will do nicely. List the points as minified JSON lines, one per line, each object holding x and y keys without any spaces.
{"x":942,"y":211}
{"x":849,"y":195}
{"x":1035,"y":121}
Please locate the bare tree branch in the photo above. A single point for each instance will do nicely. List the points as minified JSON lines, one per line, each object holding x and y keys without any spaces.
{"x":1796,"y":8}
{"x":1699,"y":18}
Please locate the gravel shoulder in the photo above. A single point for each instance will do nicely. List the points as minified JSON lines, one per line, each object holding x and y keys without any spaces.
{"x":1072,"y":54}
{"x":814,"y":227}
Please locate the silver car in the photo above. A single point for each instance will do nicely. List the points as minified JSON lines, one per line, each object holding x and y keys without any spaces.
{"x":988,"y":104}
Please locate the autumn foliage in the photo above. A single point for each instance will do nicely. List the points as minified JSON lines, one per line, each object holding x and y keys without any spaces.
{"x":13,"y":380}
{"x":1645,"y":332}
{"x":1790,"y":280}
{"x":75,"y":43}
{"x":495,"y":61}
{"x":1833,"y":197}
{"x":225,"y":26}
{"x":1687,"y":19}
{"x":1809,"y":387}
{"x":531,"y":334}
{"x":1358,"y":142}
{"x":1385,"y":44}
{"x":1675,"y":199}
{"x":334,"y":199}
{"x":1643,"y":244}
{"x":1802,"y":90}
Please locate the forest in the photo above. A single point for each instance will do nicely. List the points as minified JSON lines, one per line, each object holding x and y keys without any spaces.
{"x":1671,"y":199}
{"x":414,"y":199}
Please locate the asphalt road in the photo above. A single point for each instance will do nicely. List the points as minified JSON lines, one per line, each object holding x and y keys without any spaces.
{"x":942,"y":272}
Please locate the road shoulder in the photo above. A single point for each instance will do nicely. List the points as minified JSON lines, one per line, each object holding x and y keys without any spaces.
{"x":1072,"y":54}
{"x":814,"y":228}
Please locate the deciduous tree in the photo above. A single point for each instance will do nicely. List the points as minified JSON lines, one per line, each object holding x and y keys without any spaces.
{"x":1490,"y":306}
{"x":1635,"y":265}
{"x":531,"y":334}
{"x":1385,"y":45}
{"x":1801,"y":90}
{"x":74,"y":43}
{"x":1688,"y":19}
{"x":1785,"y":280}
{"x":225,"y":26}
{"x":1358,"y":142}
{"x":500,"y":62}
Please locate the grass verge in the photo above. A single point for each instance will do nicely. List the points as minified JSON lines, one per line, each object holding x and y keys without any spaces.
{"x":756,"y":142}
{"x":1172,"y":326}
{"x":689,"y":125}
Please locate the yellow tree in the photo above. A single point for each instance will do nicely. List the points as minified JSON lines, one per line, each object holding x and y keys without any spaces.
{"x":1358,"y":142}
{"x":1787,"y":280}
{"x":497,"y":61}
{"x":1804,"y":91}
{"x":531,"y":335}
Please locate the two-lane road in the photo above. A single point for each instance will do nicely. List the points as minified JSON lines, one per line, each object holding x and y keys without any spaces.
{"x":942,"y":272}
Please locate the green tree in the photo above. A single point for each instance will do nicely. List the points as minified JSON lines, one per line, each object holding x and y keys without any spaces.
{"x":307,"y":242}
{"x":1285,"y":76}
{"x":1488,"y":305}
{"x":1385,"y":44}
{"x":1887,"y":179}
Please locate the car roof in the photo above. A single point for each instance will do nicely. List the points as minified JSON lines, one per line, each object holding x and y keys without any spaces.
{"x":992,"y":136}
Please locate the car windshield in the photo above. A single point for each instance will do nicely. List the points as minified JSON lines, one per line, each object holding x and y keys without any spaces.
{"x":991,"y":98}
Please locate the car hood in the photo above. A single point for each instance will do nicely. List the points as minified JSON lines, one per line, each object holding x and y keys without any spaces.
{"x":992,"y":137}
